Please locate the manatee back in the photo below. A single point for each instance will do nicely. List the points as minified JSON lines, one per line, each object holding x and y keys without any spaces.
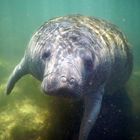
{"x":120,"y":53}
{"x":109,"y":45}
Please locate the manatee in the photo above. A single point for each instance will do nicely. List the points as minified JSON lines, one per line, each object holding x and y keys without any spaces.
{"x":77,"y":57}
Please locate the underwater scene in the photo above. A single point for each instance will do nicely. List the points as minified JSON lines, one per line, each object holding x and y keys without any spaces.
{"x":27,"y":113}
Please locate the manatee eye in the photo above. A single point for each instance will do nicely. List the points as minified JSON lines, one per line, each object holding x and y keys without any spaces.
{"x":46,"y":55}
{"x":73,"y":38}
{"x":87,"y":59}
{"x":88,"y":63}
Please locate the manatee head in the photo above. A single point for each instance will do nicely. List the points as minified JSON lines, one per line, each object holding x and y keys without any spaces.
{"x":60,"y":56}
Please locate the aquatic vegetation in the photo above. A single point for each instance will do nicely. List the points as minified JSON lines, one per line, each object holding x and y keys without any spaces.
{"x":20,"y":118}
{"x":133,"y":88}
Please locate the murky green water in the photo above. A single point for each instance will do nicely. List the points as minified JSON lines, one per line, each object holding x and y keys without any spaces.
{"x":28,"y":114}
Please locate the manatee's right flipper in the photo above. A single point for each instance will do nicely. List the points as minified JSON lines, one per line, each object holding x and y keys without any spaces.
{"x":18,"y":72}
{"x":92,"y":109}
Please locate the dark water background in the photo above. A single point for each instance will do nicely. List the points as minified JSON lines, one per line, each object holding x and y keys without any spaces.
{"x":29,"y":115}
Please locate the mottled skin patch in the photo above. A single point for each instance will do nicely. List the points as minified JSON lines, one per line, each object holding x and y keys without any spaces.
{"x":77,"y":57}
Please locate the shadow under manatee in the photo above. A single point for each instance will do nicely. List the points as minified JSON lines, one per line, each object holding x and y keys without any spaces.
{"x":66,"y":118}
{"x":114,"y":122}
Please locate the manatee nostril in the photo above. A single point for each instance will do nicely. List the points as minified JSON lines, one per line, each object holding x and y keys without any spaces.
{"x":63,"y":79}
{"x":72,"y":81}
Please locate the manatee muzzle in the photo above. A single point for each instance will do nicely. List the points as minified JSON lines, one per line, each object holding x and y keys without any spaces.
{"x":62,"y":85}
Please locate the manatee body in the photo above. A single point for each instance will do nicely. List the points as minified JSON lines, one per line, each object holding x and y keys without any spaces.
{"x":77,"y":57}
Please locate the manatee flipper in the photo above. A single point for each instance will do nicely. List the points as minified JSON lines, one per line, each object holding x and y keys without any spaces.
{"x":92,"y":108}
{"x":18,"y":72}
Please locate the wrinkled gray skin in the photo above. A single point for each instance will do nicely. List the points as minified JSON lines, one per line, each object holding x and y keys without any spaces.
{"x":77,"y":57}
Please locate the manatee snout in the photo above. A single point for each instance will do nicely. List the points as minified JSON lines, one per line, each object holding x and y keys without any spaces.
{"x":65,"y":82}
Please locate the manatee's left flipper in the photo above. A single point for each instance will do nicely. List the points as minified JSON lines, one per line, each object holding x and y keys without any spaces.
{"x":92,"y":108}
{"x":19,"y":71}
